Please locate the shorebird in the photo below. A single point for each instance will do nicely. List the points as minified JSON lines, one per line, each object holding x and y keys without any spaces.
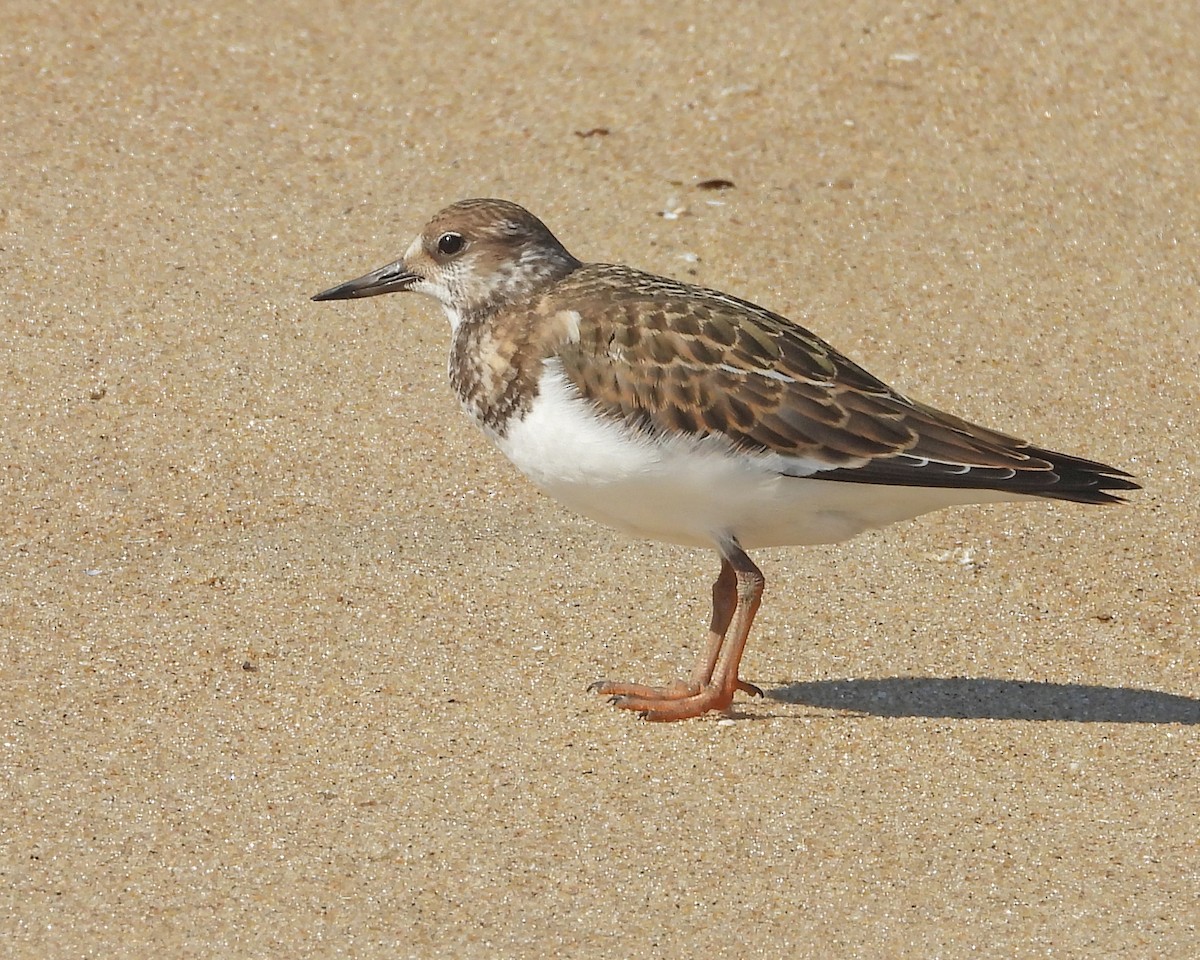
{"x":679,"y":413}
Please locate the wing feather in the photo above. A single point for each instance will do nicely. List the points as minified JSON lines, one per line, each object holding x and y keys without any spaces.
{"x":674,"y":358}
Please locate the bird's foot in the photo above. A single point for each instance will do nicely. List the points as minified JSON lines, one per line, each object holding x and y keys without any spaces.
{"x":680,"y":700}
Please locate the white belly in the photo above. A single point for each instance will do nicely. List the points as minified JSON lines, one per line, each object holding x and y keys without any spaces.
{"x":695,"y":492}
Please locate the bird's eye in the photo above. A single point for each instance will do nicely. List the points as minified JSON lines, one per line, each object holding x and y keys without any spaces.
{"x":451,"y":243}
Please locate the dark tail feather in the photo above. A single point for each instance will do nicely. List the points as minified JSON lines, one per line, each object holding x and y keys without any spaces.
{"x":1022,"y":469}
{"x":1079,"y":480}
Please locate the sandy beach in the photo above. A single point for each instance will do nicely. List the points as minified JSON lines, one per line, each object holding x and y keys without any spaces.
{"x":294,"y":662}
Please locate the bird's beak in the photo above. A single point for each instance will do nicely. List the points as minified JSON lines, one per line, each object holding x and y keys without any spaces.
{"x":393,"y":277}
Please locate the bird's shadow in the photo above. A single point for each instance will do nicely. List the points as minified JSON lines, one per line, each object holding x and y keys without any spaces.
{"x":983,"y":698}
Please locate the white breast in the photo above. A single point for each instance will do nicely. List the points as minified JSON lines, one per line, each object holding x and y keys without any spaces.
{"x":696,"y":492}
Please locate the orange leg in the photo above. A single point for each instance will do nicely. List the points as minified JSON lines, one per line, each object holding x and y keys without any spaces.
{"x":736,"y":598}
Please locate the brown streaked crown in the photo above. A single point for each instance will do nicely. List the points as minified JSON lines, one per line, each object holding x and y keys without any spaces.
{"x":477,"y":255}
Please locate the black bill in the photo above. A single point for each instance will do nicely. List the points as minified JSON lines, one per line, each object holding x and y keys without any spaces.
{"x":387,"y":279}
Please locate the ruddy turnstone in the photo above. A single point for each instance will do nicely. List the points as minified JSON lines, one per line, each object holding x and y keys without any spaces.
{"x":684,"y":414}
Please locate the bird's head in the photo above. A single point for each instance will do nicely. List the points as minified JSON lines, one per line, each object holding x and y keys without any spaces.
{"x":472,"y":256}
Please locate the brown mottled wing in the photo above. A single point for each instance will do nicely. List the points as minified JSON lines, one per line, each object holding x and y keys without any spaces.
{"x":671,"y":357}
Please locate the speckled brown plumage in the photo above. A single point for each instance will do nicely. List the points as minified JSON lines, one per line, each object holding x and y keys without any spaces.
{"x":497,"y":358}
{"x":671,"y":356}
{"x":684,"y":414}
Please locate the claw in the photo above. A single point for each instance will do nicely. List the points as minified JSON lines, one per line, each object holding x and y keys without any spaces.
{"x":675,"y":701}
